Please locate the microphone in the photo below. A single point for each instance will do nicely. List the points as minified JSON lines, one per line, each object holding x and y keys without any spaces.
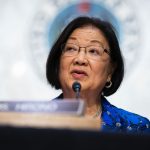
{"x":76,"y":86}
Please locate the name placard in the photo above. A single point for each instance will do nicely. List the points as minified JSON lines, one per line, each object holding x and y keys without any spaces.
{"x":65,"y":106}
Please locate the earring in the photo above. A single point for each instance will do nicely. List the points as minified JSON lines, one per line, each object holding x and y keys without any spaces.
{"x":108,"y":84}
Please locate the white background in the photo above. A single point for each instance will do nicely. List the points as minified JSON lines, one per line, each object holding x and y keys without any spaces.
{"x":19,"y":79}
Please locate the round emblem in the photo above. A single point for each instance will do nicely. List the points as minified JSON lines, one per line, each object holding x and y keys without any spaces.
{"x":54,"y":15}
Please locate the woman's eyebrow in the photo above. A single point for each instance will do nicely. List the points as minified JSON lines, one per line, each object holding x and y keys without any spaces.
{"x":72,"y":38}
{"x":92,"y":41}
{"x":96,"y":41}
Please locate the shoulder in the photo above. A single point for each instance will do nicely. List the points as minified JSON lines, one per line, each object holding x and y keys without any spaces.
{"x":59,"y":97}
{"x":131,"y":118}
{"x":127,"y":120}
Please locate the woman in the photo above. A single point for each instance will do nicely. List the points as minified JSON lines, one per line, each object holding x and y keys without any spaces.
{"x":88,"y":51}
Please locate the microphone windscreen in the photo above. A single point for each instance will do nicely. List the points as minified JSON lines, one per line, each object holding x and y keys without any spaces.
{"x":76,"y":86}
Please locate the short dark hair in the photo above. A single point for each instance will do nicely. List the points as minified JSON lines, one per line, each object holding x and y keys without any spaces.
{"x":52,"y":65}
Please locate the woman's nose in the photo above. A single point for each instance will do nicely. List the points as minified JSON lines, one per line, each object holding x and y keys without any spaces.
{"x":81,"y":59}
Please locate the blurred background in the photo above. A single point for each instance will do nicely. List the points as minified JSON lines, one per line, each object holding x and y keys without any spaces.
{"x":28,"y":29}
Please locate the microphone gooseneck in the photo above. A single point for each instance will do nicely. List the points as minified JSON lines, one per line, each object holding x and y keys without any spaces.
{"x":76,"y":86}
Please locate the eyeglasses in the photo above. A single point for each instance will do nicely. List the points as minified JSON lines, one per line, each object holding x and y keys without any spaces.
{"x":94,"y":52}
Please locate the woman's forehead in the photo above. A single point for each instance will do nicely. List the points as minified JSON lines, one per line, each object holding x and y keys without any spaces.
{"x":89,"y":34}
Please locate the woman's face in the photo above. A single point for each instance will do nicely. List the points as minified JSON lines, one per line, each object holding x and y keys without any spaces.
{"x":87,"y":67}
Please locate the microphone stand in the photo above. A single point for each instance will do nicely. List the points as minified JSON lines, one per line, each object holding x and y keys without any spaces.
{"x":77,"y":94}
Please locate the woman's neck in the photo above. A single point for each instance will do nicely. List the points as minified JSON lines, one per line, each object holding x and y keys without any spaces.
{"x":92,"y":102}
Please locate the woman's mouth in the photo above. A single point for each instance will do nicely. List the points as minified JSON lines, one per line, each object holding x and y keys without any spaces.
{"x":78,"y":74}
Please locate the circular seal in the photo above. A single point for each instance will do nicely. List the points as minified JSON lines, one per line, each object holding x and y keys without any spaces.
{"x":54,"y":15}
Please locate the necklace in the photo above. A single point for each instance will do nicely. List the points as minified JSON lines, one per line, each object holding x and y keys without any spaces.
{"x":98,"y":113}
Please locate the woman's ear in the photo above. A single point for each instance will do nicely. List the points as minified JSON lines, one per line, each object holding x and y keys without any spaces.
{"x":111,"y":71}
{"x":109,"y":77}
{"x":113,"y":67}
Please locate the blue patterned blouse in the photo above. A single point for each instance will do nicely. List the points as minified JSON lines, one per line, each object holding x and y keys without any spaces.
{"x":118,"y":120}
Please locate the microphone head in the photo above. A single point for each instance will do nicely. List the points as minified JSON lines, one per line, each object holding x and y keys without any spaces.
{"x":76,"y":86}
